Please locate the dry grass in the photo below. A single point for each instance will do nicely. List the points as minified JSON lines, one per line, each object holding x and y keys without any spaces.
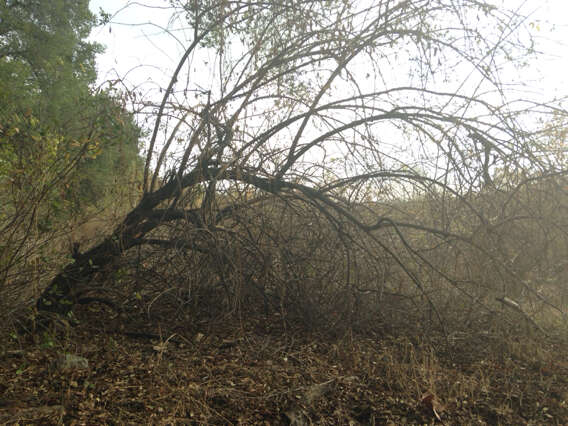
{"x":258,"y":372}
{"x":275,"y":320}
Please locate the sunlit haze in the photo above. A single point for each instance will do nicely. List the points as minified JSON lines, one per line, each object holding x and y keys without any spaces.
{"x":138,"y":50}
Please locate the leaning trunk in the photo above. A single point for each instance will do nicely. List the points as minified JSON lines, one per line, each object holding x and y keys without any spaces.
{"x":61,"y":294}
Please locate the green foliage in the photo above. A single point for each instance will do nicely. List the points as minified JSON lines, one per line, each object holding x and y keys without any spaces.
{"x":46,"y":67}
{"x":45,"y":64}
{"x":50,"y":38}
{"x":26,"y":147}
{"x":111,"y":158}
{"x":63,"y":145}
{"x":275,"y":24}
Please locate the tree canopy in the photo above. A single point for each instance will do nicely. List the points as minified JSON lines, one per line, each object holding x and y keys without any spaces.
{"x":62,"y":140}
{"x":357,"y":111}
{"x":44,"y":51}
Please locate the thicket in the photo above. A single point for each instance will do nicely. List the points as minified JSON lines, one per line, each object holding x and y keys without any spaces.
{"x":306,"y":176}
{"x":68,"y":150}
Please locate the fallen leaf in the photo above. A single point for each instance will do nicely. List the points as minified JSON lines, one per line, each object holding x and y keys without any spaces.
{"x":432,"y":403}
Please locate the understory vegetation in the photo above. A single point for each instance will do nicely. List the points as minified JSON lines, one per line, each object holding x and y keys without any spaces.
{"x":300,"y":234}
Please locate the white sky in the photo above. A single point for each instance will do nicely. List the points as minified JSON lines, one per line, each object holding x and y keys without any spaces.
{"x":139,"y":52}
{"x":129,"y":46}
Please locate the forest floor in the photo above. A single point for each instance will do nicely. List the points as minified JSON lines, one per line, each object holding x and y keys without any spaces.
{"x":263,"y":371}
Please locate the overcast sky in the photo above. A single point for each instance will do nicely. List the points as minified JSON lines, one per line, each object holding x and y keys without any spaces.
{"x":141,"y":43}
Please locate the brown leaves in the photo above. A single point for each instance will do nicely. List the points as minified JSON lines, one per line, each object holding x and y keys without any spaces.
{"x":430,"y":402}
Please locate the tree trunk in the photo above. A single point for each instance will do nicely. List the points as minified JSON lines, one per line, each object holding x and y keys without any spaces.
{"x":61,"y":294}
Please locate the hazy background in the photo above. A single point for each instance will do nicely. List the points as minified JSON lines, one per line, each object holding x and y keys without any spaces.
{"x":138,"y":49}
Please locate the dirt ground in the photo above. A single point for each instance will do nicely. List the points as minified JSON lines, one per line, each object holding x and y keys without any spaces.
{"x":265,"y":371}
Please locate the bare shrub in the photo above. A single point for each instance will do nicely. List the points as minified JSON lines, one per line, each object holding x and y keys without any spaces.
{"x":311,"y":176}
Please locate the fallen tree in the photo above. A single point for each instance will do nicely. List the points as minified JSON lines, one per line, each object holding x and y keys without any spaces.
{"x":307,"y":101}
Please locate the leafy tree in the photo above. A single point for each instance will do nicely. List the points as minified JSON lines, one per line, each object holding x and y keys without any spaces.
{"x":47,"y":68}
{"x":47,"y":40}
{"x":62,"y":143}
{"x":111,"y":159}
{"x":45,"y":64}
{"x":344,"y":106}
